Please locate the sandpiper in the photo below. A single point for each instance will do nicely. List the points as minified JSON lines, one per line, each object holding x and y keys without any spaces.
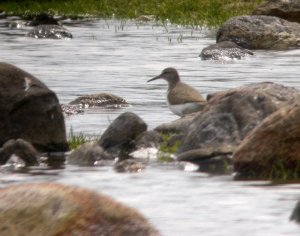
{"x":181,"y":98}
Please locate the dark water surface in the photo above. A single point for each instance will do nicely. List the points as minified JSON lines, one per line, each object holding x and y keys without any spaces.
{"x":119,"y":57}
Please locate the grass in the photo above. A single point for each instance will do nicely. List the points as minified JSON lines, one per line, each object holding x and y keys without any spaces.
{"x":166,"y":150}
{"x":76,"y":140}
{"x":185,"y":12}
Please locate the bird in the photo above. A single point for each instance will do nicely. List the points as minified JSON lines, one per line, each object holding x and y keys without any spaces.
{"x":182,"y":98}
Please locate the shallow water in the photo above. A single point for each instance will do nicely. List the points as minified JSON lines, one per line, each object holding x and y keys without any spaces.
{"x":119,"y":57}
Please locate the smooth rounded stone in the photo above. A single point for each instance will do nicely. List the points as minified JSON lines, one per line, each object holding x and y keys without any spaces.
{"x":100,"y":100}
{"x":231,"y":115}
{"x":148,"y":139}
{"x":120,"y":135}
{"x":89,"y":154}
{"x":49,"y":32}
{"x":56,"y":209}
{"x":272,"y":149}
{"x":285,"y":9}
{"x":260,"y":32}
{"x":22,"y":149}
{"x":30,"y":110}
{"x":223,"y":51}
{"x":296,"y":213}
{"x":42,"y":19}
{"x":129,"y":166}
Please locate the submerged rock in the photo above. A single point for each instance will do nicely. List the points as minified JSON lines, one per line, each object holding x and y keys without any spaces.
{"x":129,"y":166}
{"x":120,"y":135}
{"x":288,"y":10}
{"x":272,"y":150}
{"x":100,"y":100}
{"x":260,"y":32}
{"x":20,"y":148}
{"x":49,"y":32}
{"x":55,"y":209}
{"x":30,"y":110}
{"x":223,"y":51}
{"x":89,"y":154}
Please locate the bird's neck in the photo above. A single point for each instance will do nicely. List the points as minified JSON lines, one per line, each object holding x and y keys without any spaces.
{"x":172,"y":84}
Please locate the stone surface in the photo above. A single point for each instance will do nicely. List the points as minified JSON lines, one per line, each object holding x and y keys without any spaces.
{"x":29,"y":110}
{"x":21,"y":148}
{"x":89,"y":154}
{"x":285,"y":9}
{"x":49,"y":32}
{"x":230,"y":116}
{"x":260,"y":32}
{"x":272,"y":150}
{"x":120,"y":135}
{"x":223,"y":51}
{"x":55,"y":209}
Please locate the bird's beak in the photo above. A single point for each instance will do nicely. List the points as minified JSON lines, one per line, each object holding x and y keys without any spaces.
{"x":156,"y":77}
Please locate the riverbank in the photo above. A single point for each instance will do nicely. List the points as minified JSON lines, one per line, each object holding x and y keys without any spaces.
{"x":190,"y":12}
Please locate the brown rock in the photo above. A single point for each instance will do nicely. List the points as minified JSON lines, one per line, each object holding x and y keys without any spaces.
{"x":272,"y":150}
{"x":55,"y":209}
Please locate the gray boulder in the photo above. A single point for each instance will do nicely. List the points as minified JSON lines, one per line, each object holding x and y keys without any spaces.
{"x":49,"y":32}
{"x":260,"y":32}
{"x":29,"y":110}
{"x":229,"y":117}
{"x":89,"y":154}
{"x":223,"y":51}
{"x":288,"y":10}
{"x":119,"y":137}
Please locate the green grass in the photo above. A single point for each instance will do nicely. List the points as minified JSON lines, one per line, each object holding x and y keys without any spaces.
{"x":75,"y":140}
{"x":186,"y":12}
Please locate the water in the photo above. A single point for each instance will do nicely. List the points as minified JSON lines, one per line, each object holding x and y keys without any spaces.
{"x":119,"y":57}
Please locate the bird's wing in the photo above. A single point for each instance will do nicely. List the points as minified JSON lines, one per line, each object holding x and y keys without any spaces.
{"x":183,"y":93}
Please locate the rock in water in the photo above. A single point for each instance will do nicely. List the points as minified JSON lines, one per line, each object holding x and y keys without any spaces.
{"x":30,"y":110}
{"x":55,"y":209}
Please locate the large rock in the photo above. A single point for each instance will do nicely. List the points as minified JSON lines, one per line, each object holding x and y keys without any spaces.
{"x":272,"y":150}
{"x":120,"y":135}
{"x":223,"y":51}
{"x":55,"y":209}
{"x":285,"y":9}
{"x":50,"y":32}
{"x":29,"y":110}
{"x":260,"y":32}
{"x":229,"y":117}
